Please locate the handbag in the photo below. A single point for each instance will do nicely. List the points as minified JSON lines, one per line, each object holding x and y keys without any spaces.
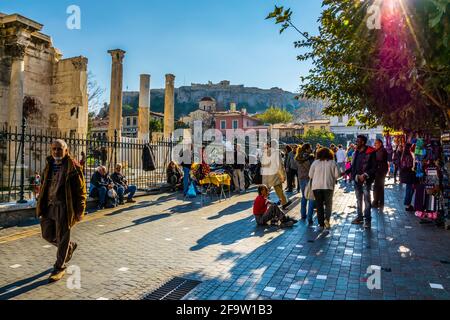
{"x":309,"y":194}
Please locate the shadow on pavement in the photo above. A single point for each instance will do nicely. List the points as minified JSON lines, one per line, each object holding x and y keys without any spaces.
{"x":235,"y":208}
{"x":140,"y":221}
{"x":23,"y":286}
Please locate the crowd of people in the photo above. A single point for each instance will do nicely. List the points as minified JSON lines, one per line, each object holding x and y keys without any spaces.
{"x":315,"y":173}
{"x":61,"y":189}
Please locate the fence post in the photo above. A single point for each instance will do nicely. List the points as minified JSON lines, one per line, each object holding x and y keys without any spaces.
{"x":22,"y":162}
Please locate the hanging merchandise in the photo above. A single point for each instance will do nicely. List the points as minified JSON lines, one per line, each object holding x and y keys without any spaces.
{"x":445,"y":139}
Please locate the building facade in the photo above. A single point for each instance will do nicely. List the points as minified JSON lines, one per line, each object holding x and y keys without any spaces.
{"x":338,"y":126}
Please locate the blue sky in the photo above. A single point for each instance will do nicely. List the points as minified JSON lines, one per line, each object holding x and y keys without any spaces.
{"x":197,"y":40}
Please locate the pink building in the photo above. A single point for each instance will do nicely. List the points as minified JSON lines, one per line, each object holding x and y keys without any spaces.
{"x":235,"y":120}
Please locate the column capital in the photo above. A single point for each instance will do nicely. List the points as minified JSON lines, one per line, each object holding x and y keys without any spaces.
{"x":80,"y":63}
{"x":117,"y":55}
{"x":170,"y":78}
{"x":16,"y":50}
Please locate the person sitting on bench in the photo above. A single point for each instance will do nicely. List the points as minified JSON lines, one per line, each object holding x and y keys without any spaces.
{"x":123,"y":188}
{"x":265,"y":211}
{"x":99,"y":185}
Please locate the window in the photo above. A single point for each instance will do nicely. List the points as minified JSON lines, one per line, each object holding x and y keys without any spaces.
{"x":340,"y":120}
{"x":223,"y":124}
{"x":134,"y":121}
{"x":128,"y":121}
{"x":235,"y":124}
{"x":322,"y":127}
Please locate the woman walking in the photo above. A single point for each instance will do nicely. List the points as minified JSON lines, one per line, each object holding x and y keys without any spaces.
{"x":304,"y":159}
{"x":324,"y":174}
{"x":407,"y":175}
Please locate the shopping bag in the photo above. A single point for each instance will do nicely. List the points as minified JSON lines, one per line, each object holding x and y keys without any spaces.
{"x":191,"y":191}
{"x":308,"y":191}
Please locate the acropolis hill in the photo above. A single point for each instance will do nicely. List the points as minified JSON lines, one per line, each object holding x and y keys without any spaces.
{"x":187,"y":97}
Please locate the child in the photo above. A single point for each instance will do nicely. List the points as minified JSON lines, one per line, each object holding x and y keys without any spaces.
{"x":265,"y":211}
{"x":36,"y":185}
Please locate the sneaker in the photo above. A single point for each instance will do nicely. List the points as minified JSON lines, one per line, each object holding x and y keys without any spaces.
{"x":367,"y":225}
{"x":327,"y":225}
{"x":357,"y":221}
{"x":131,"y":201}
{"x":121,"y":202}
{"x":287,"y":224}
{"x":320,"y":228}
{"x":71,"y":251}
{"x":56,"y":275}
{"x":285,"y":206}
{"x":100,"y":207}
{"x":410,"y":208}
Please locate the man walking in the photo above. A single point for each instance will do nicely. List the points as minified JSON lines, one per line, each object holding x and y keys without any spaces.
{"x":61,"y":204}
{"x":238,"y":169}
{"x":341,"y":156}
{"x":381,"y":170}
{"x":363,"y":174}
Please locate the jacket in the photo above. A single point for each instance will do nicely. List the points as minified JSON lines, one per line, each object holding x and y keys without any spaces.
{"x":74,"y":188}
{"x":119,"y":179}
{"x":173,"y":172}
{"x":323,"y":175}
{"x":304,"y":161}
{"x":407,"y":174}
{"x":368,"y":164}
{"x":381,"y":163}
{"x":148,"y":158}
{"x":97,"y":180}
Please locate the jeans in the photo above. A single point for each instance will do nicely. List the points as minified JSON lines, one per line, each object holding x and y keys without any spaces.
{"x":121,"y":191}
{"x":99,"y":192}
{"x":324,"y":201}
{"x":363,"y":194}
{"x":408,"y":194}
{"x":303,"y":183}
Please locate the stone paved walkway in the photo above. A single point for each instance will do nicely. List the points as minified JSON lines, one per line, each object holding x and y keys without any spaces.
{"x":126,"y":253}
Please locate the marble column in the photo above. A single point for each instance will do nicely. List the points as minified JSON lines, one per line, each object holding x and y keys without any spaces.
{"x":115,"y":105}
{"x":144,"y":108}
{"x":169,"y":106}
{"x":16,"y":92}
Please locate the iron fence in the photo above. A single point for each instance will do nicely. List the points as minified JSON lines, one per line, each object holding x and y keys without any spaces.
{"x":89,"y":151}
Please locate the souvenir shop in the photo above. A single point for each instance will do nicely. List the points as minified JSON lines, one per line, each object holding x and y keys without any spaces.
{"x":432,"y":168}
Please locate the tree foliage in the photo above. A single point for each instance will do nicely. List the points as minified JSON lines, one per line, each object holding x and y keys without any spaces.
{"x":275,"y":115}
{"x":95,"y":94}
{"x":397,"y":75}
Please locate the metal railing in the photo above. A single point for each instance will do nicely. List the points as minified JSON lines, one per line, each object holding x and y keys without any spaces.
{"x":24,"y":152}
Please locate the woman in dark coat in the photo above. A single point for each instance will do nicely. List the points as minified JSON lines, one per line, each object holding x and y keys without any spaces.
{"x":407,"y":175}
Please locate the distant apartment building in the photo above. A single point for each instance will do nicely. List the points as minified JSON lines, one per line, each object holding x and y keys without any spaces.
{"x":321,"y":124}
{"x":338,"y":125}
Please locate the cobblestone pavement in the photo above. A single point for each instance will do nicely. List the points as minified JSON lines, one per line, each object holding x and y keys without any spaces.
{"x":126,"y":253}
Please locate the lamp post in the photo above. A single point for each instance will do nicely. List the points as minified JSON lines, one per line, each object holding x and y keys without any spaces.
{"x":22,"y":162}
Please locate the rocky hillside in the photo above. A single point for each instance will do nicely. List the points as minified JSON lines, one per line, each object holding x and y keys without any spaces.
{"x":187,"y":98}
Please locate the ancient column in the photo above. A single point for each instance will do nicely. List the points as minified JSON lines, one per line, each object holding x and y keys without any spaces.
{"x":15,"y":99}
{"x":169,"y":106}
{"x":144,"y":108}
{"x":115,"y":105}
